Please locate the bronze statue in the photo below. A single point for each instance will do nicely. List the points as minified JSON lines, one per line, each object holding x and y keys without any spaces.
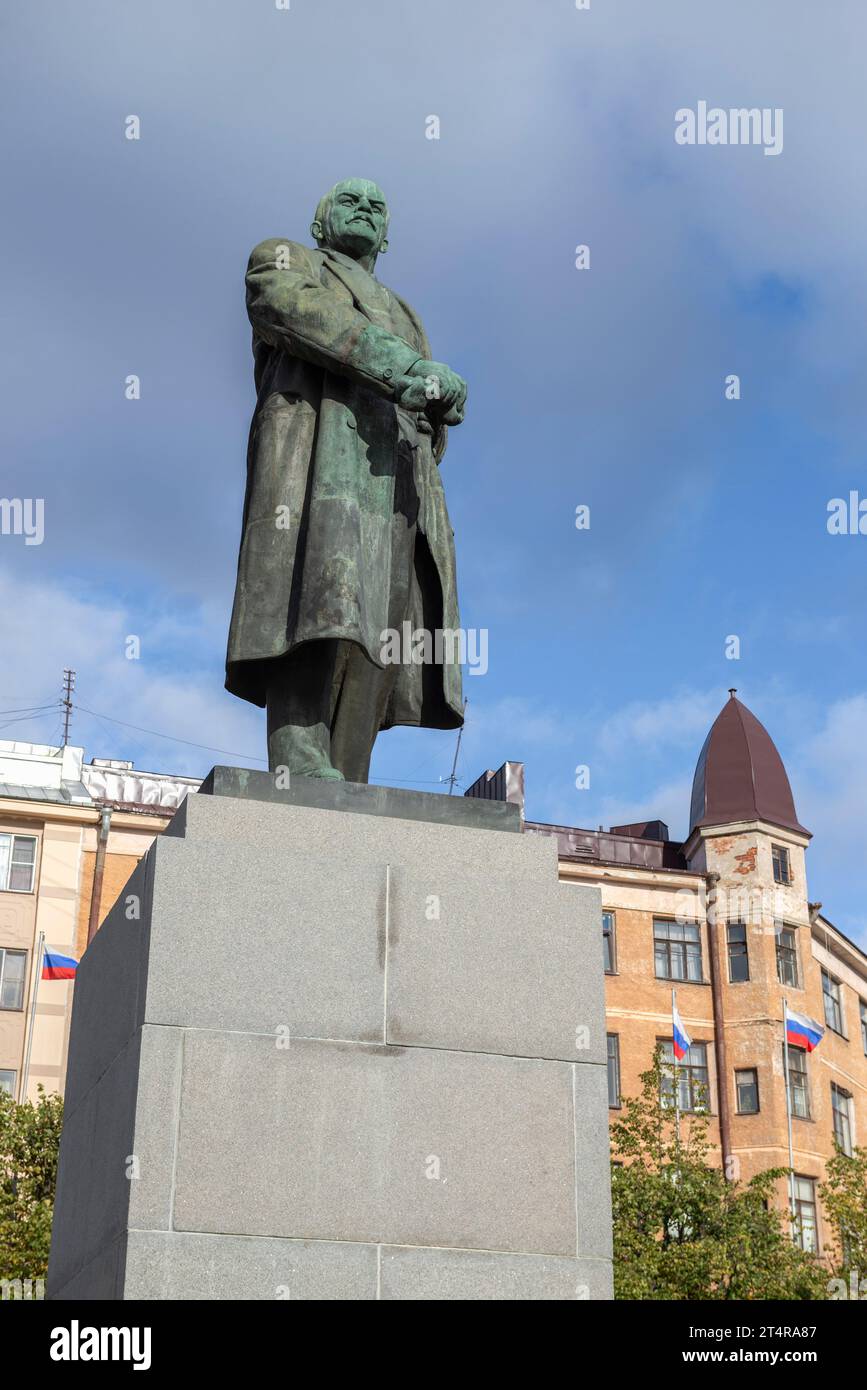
{"x":346,"y":536}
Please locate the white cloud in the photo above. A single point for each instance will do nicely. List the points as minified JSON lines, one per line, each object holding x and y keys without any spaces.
{"x":47,"y":626}
{"x":674,"y":721}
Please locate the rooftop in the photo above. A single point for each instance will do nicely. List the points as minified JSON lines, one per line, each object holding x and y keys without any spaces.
{"x":740,"y":775}
{"x":41,"y":772}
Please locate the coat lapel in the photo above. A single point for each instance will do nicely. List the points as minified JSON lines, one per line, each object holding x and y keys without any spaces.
{"x":367,"y":294}
{"x":371,"y":298}
{"x":422,"y":343}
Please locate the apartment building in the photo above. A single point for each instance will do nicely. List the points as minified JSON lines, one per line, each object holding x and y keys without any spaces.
{"x":71,"y":834}
{"x":725,"y":919}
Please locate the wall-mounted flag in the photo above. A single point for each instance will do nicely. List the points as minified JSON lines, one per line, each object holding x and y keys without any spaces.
{"x":58,"y":967}
{"x":802,"y":1031}
{"x":682,"y":1040}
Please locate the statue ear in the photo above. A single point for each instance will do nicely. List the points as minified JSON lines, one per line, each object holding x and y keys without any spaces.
{"x":383,"y":247}
{"x":316,"y":232}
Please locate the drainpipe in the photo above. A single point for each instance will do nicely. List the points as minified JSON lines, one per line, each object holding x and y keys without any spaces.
{"x":719,"y":1040}
{"x":98,"y":872}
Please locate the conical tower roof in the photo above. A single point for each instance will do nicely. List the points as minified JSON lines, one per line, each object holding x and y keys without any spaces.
{"x":740,"y":775}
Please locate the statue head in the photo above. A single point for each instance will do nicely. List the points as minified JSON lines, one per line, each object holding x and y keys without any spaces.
{"x":353,"y":218}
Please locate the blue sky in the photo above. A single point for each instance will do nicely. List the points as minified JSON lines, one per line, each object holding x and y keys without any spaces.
{"x":604,"y":387}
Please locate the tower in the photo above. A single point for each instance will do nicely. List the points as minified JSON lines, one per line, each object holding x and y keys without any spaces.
{"x":746,"y":838}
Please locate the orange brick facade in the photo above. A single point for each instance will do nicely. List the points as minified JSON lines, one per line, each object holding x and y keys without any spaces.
{"x":57,"y":906}
{"x":735,"y":886}
{"x":117,"y":870}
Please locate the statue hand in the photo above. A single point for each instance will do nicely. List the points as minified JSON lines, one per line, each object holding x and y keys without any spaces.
{"x":436,"y":389}
{"x":454,"y":416}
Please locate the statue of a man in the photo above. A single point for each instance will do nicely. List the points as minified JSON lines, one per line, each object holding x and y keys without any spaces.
{"x":346,"y":537}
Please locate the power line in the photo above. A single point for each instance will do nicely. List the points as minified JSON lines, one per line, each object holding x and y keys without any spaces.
{"x":154,"y":733}
{"x":229,"y":753}
{"x":29,"y":709}
{"x":5,"y":696}
{"x":55,"y":733}
{"x":39,"y":712}
{"x":27,"y":718}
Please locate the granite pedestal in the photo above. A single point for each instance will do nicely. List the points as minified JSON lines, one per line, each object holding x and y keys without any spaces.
{"x":338,"y":1049}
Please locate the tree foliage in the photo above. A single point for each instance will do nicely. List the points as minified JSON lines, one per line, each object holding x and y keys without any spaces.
{"x":29,"y":1142}
{"x":681,"y":1230}
{"x":844,"y":1196}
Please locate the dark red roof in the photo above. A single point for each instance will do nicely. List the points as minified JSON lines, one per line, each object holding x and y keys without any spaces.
{"x":740,"y":775}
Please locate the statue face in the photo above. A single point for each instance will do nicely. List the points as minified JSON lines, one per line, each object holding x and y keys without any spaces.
{"x":357,"y":219}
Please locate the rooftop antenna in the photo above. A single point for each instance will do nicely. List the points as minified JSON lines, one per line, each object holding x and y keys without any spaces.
{"x":68,"y":687}
{"x":733,"y":690}
{"x":452,"y":777}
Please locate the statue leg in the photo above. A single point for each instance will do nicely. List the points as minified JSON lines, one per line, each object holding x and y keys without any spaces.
{"x":361,"y":704}
{"x":325,"y":704}
{"x":299,"y":703}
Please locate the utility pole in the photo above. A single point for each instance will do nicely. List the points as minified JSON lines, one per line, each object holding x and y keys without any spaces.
{"x":68,"y":687}
{"x":452,"y":777}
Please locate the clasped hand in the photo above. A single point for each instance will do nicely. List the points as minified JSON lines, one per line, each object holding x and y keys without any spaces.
{"x":436,"y":389}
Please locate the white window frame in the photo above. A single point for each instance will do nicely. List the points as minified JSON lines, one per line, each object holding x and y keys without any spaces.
{"x":738,"y":954}
{"x":689,"y":947}
{"x":611,"y":936}
{"x":835,"y":995}
{"x":802,"y":1239}
{"x":847,"y":1110}
{"x":785,"y":862}
{"x":739,"y":1071}
{"x":801,"y":1055}
{"x":613,"y":1057}
{"x":6,"y":862}
{"x":779,"y":947}
{"x":15,"y":951}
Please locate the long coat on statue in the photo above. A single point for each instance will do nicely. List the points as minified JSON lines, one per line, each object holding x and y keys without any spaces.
{"x":340,"y":481}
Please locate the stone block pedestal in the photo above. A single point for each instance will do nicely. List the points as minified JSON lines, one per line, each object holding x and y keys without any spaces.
{"x":338,"y":1054}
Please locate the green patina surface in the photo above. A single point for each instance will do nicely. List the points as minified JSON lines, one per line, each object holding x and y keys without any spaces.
{"x":345,"y":530}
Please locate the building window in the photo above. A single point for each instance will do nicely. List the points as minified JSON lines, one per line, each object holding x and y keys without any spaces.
{"x":805,"y":1213}
{"x":747,"y":1089}
{"x":13,"y":970}
{"x":608,"y":951}
{"x":693,"y":1091}
{"x":7,"y":1082}
{"x":863,"y":1008}
{"x":17,"y":863}
{"x":798,"y":1087}
{"x":739,"y":961}
{"x":676,"y":950}
{"x":787,"y":958}
{"x":833,"y":1003}
{"x":841,"y":1109}
{"x":782,"y":864}
{"x":613,"y":1071}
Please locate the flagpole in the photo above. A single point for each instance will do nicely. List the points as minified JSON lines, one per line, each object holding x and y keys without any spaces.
{"x":789,"y":1115}
{"x":674,"y":1055}
{"x":25,"y":1075}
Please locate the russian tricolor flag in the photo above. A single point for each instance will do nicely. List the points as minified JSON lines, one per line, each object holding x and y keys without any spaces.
{"x":802,"y":1031}
{"x":682,"y":1040}
{"x":58,"y":967}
